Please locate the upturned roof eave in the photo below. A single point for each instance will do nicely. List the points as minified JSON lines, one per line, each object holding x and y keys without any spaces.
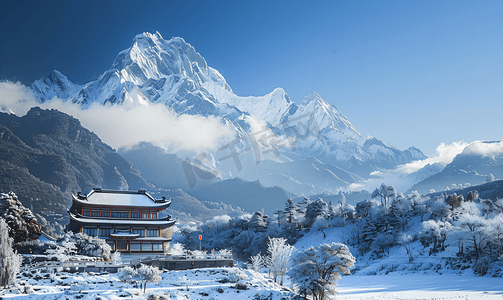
{"x":164,"y":222}
{"x":160,"y":206}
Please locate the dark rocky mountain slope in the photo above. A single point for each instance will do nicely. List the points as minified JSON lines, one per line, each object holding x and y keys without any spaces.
{"x":46,"y":155}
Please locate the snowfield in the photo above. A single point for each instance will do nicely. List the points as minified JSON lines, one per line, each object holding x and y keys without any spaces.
{"x":220,"y":283}
{"x":419,"y":286}
{"x":211,"y":283}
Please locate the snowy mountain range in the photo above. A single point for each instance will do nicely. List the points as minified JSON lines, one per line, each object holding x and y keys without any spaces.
{"x":480,"y":162}
{"x":270,"y":128}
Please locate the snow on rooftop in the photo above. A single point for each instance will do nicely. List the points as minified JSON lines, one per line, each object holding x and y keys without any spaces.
{"x":123,"y":198}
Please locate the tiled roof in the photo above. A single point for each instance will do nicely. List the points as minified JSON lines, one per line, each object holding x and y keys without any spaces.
{"x":138,"y":198}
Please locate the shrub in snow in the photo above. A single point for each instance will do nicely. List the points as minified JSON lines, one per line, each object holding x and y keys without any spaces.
{"x":224,"y":253}
{"x":10,"y":261}
{"x":80,"y":243}
{"x":79,"y":287}
{"x":142,"y":275}
{"x":256,"y":262}
{"x":177,"y":249}
{"x":28,"y":289}
{"x":126,"y":274}
{"x":116,"y":256}
{"x":316,"y":270}
{"x":235,"y":275}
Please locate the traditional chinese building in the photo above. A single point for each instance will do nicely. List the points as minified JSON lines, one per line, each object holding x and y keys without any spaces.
{"x":127,"y":220}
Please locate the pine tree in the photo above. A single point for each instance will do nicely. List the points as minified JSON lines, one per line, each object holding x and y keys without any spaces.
{"x":315,"y":209}
{"x":289,"y":212}
{"x":368,"y":233}
{"x":258,"y":222}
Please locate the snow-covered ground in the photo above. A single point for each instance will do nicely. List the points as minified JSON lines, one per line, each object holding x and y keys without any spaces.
{"x":219,"y":283}
{"x":419,"y":286}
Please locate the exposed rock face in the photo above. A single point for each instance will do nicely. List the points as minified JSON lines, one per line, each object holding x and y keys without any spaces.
{"x":22,"y":222}
{"x":46,"y":155}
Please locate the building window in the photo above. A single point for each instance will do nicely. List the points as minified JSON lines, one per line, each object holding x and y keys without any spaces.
{"x":135,"y":247}
{"x":144,"y":216}
{"x":135,"y":214}
{"x":146,"y":247}
{"x":111,"y":244}
{"x":141,"y":232}
{"x":157,"y":246}
{"x":105,"y":213}
{"x":152,"y":232}
{"x":95,"y":213}
{"x":91,"y":231}
{"x":86,"y":212}
{"x":153,"y":215}
{"x":105,"y":232}
{"x":120,"y":214}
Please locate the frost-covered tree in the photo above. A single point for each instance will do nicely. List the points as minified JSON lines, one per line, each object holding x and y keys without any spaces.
{"x":430,"y":233}
{"x":384,"y":239}
{"x":363,"y":208}
{"x":475,"y":227}
{"x":496,"y":230}
{"x":146,"y":274}
{"x":368,"y":234}
{"x":279,"y":252}
{"x":22,"y":222}
{"x":10,"y":261}
{"x":289,"y":213}
{"x":258,"y":222}
{"x":302,"y":205}
{"x":386,"y":192}
{"x":439,"y":209}
{"x":316,"y":270}
{"x":405,"y":240}
{"x":315,"y":209}
{"x":401,"y":206}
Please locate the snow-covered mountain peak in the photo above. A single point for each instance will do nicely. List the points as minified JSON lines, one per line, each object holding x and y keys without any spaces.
{"x":310,"y":98}
{"x":173,"y":73}
{"x":152,"y":57}
{"x":54,"y":85}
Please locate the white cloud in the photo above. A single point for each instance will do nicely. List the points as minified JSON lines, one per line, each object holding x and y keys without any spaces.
{"x":121,"y":127}
{"x":15,"y":98}
{"x":398,"y":176}
{"x":484,"y":148}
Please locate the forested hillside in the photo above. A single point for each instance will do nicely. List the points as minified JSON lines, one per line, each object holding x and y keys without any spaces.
{"x":452,"y":231}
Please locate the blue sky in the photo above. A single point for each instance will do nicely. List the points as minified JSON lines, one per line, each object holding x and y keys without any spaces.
{"x":411,"y":73}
